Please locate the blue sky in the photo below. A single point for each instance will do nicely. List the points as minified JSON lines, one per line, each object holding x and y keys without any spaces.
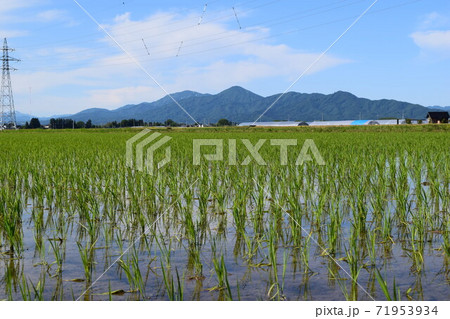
{"x":399,"y":50}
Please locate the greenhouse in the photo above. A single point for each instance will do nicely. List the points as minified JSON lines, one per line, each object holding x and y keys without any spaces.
{"x":343,"y":123}
{"x":392,"y":122}
{"x":330,"y":123}
{"x":280,"y":123}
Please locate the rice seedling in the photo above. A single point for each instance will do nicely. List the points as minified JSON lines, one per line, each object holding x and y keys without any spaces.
{"x":39,"y":288}
{"x":174,"y":293}
{"x":381,"y":200}
{"x":25,"y":291}
{"x":133,"y":273}
{"x":87,"y":259}
{"x":58,"y":256}
{"x":222,"y":278}
{"x":396,"y":294}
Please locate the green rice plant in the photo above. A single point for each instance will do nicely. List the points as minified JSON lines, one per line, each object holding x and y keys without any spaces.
{"x":305,"y":253}
{"x":165,"y":251}
{"x":371,"y":243}
{"x":239,"y":212}
{"x":222,"y":277}
{"x":10,"y":279}
{"x":87,"y":259}
{"x":334,"y":273}
{"x":396,"y":294}
{"x":383,"y":194}
{"x":446,"y":239}
{"x":25,"y":290}
{"x":173,"y":293}
{"x":333,"y":230}
{"x":38,"y":289}
{"x":133,"y":273}
{"x":416,"y":251}
{"x":11,"y":220}
{"x":58,"y":256}
{"x":386,"y":227}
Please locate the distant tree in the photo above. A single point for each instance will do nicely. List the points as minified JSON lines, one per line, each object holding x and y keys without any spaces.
{"x":408,"y":121}
{"x":34,"y":123}
{"x":60,"y":123}
{"x":88,"y":124}
{"x":113,"y":124}
{"x":224,"y":122}
{"x":170,"y":123}
{"x":27,"y":125}
{"x":419,"y":122}
{"x":80,"y":124}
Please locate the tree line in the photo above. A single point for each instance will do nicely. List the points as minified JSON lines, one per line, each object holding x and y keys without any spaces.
{"x":60,"y":123}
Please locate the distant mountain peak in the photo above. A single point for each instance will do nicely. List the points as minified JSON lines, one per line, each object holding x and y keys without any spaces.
{"x":238,"y":93}
{"x":238,"y":89}
{"x":440,"y":108}
{"x":343,"y":93}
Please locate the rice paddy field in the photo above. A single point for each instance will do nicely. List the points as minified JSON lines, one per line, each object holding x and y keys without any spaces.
{"x":372,"y":223}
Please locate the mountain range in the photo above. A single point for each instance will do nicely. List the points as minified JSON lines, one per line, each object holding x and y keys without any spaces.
{"x":240,"y":105}
{"x":441,"y":108}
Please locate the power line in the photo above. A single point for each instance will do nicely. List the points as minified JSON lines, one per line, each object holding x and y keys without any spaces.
{"x":237,"y":19}
{"x":145,"y":46}
{"x":171,"y":46}
{"x":132,"y":29}
{"x":133,"y":59}
{"x":203,"y":13}
{"x":179,"y":49}
{"x":213,"y":37}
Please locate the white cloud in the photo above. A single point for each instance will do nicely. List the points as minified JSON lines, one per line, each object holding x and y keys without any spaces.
{"x":53,"y":15}
{"x":434,"y":20}
{"x":213,"y":57}
{"x":123,"y":96}
{"x":211,"y":54}
{"x":10,"y":10}
{"x":12,"y":34}
{"x":432,"y":40}
{"x":9,"y":16}
{"x":16,"y":4}
{"x":433,"y":36}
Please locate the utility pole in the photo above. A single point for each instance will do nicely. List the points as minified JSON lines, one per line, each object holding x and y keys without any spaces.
{"x":8,"y":113}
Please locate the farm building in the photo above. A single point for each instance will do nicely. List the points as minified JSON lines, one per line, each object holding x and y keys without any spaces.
{"x":280,"y":123}
{"x":343,"y":123}
{"x":437,"y":117}
{"x":391,"y":122}
{"x":331,"y":123}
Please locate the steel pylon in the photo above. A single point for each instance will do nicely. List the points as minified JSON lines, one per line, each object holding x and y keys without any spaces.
{"x":8,"y":112}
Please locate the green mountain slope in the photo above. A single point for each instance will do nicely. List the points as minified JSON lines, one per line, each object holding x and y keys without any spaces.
{"x":240,"y":105}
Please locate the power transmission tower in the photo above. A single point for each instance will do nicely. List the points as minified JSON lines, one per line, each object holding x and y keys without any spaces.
{"x":8,"y":113}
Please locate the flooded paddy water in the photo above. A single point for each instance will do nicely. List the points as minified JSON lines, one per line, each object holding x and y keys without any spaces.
{"x":372,"y":223}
